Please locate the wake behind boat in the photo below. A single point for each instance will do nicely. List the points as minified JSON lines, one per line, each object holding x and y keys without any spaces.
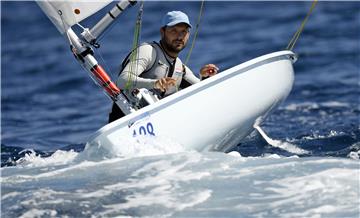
{"x":213,"y":115}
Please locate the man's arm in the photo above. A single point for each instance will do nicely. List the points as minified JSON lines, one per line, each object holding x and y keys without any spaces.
{"x":133,"y":69}
{"x":208,"y":70}
{"x":190,"y":76}
{"x":205,"y":72}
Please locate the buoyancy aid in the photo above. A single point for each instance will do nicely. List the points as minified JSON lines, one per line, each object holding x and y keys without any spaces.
{"x":163,"y":66}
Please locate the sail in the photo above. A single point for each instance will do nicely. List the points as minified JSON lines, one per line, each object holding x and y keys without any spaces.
{"x":65,"y":14}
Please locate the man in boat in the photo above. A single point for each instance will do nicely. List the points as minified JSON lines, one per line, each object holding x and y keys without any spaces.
{"x":156,"y":65}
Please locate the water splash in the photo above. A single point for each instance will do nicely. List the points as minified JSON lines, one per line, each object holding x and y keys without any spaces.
{"x":139,"y":146}
{"x":60,"y":157}
{"x":280,"y":144}
{"x":354,"y":155}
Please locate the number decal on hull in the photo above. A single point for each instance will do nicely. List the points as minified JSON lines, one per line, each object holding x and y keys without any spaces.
{"x":142,"y":125}
{"x":147,"y":129}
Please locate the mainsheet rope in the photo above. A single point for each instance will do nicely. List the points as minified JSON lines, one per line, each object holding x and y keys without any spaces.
{"x":134,"y":56}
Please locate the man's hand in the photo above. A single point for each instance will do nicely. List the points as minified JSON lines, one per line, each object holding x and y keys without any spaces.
{"x":164,"y":84}
{"x":208,"y":70}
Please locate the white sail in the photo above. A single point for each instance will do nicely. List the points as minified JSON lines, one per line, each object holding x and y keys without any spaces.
{"x":65,"y":14}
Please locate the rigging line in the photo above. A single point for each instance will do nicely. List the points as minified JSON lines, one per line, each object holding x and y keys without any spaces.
{"x":87,"y":62}
{"x":296,"y":36}
{"x":106,"y":66}
{"x":66,"y":36}
{"x":196,"y":32}
{"x":134,"y":56}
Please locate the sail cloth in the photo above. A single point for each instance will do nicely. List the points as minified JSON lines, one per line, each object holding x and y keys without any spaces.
{"x":72,"y":12}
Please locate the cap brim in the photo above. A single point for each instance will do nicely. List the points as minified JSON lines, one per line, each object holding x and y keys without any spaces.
{"x":178,"y":22}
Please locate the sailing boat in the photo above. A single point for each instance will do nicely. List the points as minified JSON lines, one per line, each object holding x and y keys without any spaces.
{"x":213,"y":115}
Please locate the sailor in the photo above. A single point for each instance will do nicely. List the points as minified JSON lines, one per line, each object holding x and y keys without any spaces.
{"x":156,"y":65}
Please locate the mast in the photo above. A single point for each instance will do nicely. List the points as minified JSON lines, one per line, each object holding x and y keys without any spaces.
{"x":68,"y":13}
{"x":84,"y":55}
{"x":90,"y":36}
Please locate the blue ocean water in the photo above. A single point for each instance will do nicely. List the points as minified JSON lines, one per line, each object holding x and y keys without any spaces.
{"x":49,"y":106}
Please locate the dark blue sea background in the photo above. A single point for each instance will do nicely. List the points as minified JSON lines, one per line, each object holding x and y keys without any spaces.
{"x":48,"y":102}
{"x":49,"y":108}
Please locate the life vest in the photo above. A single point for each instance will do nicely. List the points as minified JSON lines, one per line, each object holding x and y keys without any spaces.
{"x":163,"y":67}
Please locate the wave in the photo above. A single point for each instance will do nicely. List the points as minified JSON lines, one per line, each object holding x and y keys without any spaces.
{"x":315,"y":105}
{"x":281,"y":144}
{"x":181,"y":184}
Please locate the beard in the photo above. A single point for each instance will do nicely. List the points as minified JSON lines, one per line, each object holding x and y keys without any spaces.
{"x":175,"y":46}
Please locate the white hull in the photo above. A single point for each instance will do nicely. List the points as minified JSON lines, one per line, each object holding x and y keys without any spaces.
{"x":213,"y":115}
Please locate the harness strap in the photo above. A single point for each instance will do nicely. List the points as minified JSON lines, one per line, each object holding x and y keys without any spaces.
{"x":184,"y":83}
{"x":172,"y":65}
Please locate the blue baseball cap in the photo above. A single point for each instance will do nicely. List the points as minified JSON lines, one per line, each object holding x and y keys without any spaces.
{"x":175,"y":17}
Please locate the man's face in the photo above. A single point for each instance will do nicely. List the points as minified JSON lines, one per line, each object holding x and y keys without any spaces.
{"x":175,"y":37}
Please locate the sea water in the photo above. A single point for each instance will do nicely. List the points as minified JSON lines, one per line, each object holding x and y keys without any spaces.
{"x":303,"y":163}
{"x":184,"y":184}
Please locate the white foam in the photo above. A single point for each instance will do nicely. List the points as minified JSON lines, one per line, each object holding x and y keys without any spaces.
{"x":332,"y":133}
{"x":279,"y":144}
{"x":274,"y":156}
{"x":139,"y":146}
{"x":234,"y":154}
{"x":335,"y":104}
{"x":318,"y":211}
{"x":186,"y":184}
{"x":324,"y":185}
{"x":354,"y":155}
{"x":39,"y":213}
{"x":158,"y":184}
{"x":57,"y":158}
{"x":156,"y":197}
{"x":313,"y":105}
{"x":304,"y":105}
{"x":10,"y":195}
